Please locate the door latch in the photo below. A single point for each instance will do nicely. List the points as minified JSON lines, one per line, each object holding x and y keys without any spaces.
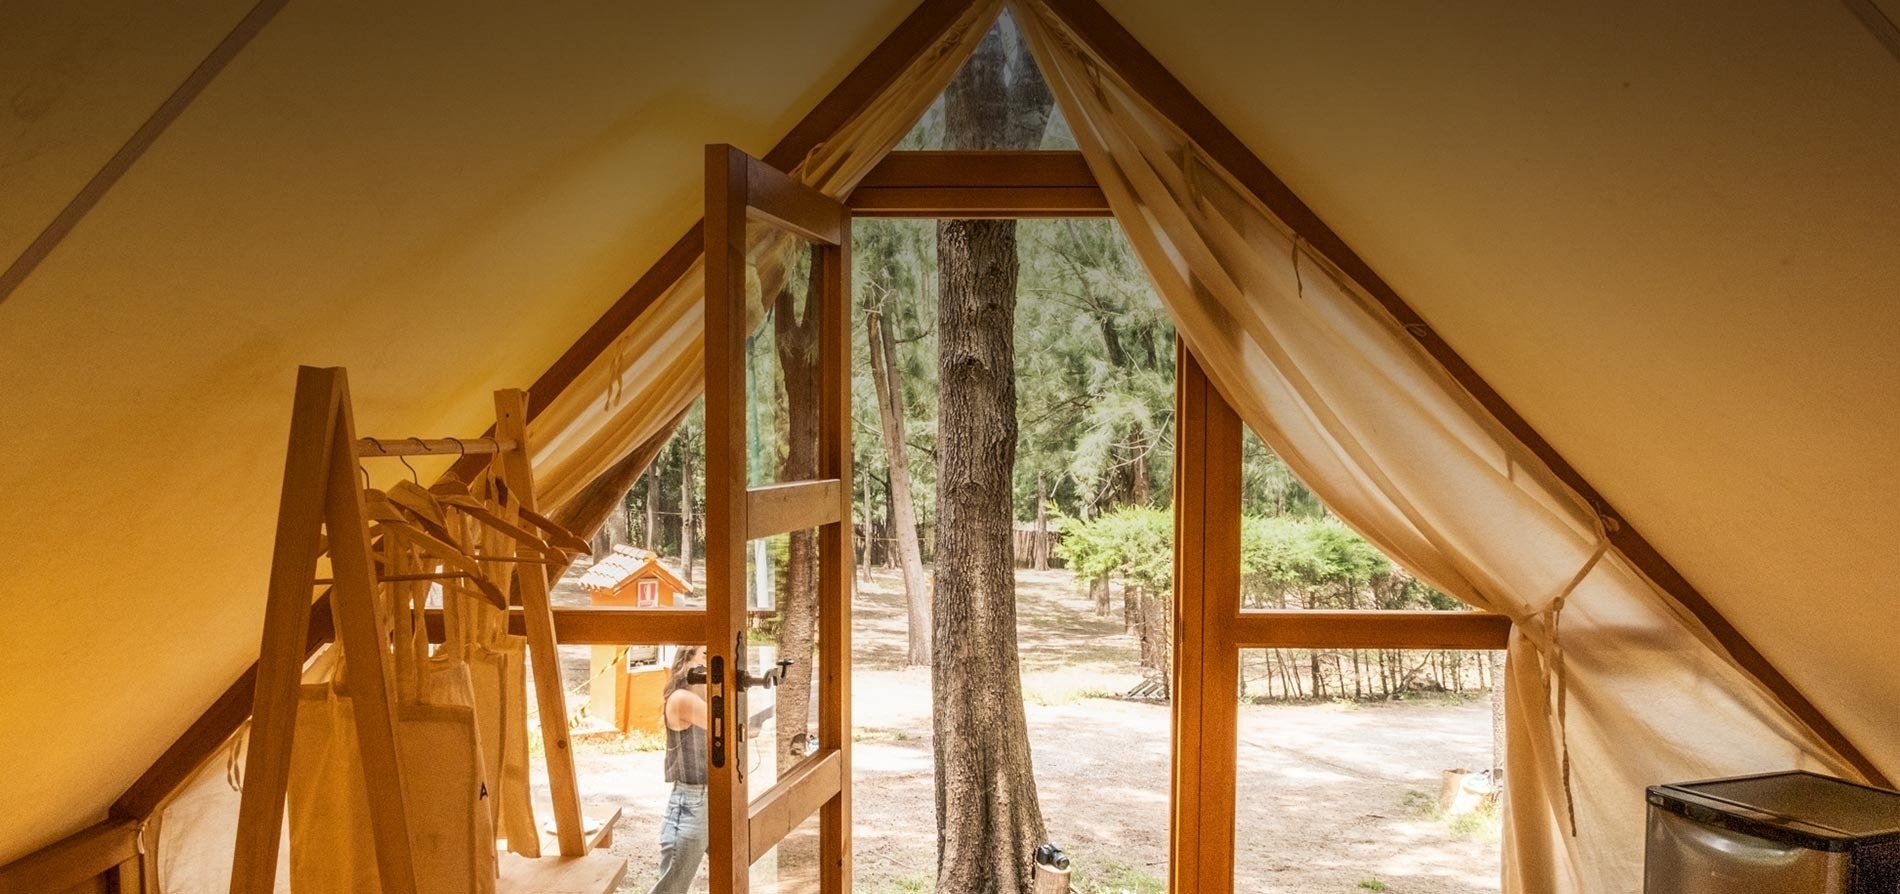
{"x":768,"y":680}
{"x":715,"y":708}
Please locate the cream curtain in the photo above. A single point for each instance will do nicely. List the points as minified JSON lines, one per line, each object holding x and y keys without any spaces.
{"x":655,"y":369}
{"x":1600,"y":659}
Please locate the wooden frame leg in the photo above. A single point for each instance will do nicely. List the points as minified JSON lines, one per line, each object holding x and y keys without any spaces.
{"x":511,"y":424}
{"x":313,"y":423}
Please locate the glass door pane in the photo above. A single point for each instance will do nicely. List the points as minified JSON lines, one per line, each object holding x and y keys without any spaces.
{"x":783,"y":608}
{"x":783,"y":356}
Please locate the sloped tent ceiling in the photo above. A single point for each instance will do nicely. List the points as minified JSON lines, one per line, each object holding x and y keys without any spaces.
{"x":439,"y":196}
{"x":1665,"y":236}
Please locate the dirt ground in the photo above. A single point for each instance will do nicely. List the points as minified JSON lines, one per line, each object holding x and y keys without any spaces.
{"x":1333,"y":797}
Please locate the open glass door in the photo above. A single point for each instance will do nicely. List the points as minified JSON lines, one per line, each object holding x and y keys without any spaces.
{"x":778,"y":576}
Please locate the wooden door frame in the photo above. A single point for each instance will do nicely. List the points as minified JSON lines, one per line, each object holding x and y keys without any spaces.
{"x":741,"y":189}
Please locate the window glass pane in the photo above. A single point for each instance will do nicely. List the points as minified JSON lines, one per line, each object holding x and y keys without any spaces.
{"x":631,"y":753}
{"x":617,"y":695}
{"x":1388,"y":789}
{"x":1094,"y":363}
{"x":1295,"y":554}
{"x":792,"y":866}
{"x":782,"y":357}
{"x":1010,"y":107}
{"x":783,"y":602}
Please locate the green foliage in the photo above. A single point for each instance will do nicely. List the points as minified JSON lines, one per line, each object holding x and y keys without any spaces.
{"x":1134,"y":544}
{"x":1286,"y":562}
{"x":1372,"y":884}
{"x":1297,"y":551}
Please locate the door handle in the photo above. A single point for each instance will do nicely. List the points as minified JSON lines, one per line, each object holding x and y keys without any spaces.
{"x":768,"y":680}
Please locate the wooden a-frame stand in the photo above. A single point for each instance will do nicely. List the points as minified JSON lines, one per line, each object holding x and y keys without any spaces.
{"x":322,"y":498}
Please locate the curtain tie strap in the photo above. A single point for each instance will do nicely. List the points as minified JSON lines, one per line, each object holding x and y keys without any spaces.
{"x":616,"y":373}
{"x":1555,"y":666}
{"x":234,"y":762}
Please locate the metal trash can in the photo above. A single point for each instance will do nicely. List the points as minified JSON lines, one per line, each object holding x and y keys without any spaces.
{"x":1051,"y":872}
{"x":1782,"y":832}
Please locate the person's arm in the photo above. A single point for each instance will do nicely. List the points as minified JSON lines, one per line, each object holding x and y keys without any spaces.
{"x":685,"y":709}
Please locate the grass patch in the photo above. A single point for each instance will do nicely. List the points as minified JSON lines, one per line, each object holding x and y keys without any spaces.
{"x":876,"y":734}
{"x":1372,"y":884}
{"x":1038,"y":695}
{"x":916,"y":883}
{"x":1485,"y":823}
{"x":1115,"y":877}
{"x":1419,"y":804}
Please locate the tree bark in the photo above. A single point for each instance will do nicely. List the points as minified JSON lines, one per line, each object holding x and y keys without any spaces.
{"x":890,"y":411}
{"x":1157,"y":642}
{"x":797,"y":344}
{"x":653,"y":511}
{"x":988,"y":817}
{"x":1039,"y":550}
{"x":686,"y":512}
{"x":989,"y":821}
{"x":1497,"y":710}
{"x":869,"y":529}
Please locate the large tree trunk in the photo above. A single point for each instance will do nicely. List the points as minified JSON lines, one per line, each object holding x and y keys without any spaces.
{"x":988,"y":817}
{"x":989,"y":821}
{"x":797,"y":345}
{"x":890,"y":411}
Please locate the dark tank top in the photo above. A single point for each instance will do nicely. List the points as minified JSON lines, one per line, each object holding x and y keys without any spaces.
{"x":686,"y":755}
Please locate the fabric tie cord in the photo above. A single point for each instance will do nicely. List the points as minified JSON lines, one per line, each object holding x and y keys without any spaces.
{"x":1551,"y":651}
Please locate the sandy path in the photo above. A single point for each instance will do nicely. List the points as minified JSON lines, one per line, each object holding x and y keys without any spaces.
{"x":1323,"y":794}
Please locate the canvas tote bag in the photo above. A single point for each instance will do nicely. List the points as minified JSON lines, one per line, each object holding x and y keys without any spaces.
{"x":444,"y":776}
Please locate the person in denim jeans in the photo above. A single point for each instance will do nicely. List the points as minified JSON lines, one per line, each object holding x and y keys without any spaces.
{"x":683,"y":830}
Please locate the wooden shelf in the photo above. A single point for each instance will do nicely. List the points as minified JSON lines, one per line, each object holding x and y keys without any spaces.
{"x":596,"y":873}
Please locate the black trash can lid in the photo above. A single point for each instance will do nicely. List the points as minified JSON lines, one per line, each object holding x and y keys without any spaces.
{"x":1807,"y":809}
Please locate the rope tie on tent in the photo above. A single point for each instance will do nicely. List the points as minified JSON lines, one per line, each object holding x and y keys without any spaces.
{"x":234,"y":762}
{"x":615,"y":385}
{"x":1299,"y":282}
{"x":1555,"y":666}
{"x":1193,"y":168}
{"x":1089,"y":70}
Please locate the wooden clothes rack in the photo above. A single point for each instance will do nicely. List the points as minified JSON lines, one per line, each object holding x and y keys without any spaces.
{"x":322,"y":508}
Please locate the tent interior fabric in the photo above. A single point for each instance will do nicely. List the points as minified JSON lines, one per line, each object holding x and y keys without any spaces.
{"x":1663,"y":235}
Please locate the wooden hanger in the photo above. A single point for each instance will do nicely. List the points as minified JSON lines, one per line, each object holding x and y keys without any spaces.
{"x":453,"y":494}
{"x":395,"y":522}
{"x":565,"y":540}
{"x":557,"y":535}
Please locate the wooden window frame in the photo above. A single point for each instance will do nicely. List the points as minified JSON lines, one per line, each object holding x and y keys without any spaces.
{"x":1211,"y":629}
{"x":980,"y":184}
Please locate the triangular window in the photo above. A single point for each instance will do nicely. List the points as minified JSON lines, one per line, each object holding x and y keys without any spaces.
{"x":997,"y":100}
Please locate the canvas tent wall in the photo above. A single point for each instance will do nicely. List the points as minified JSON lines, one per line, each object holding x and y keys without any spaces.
{"x":1618,"y":305}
